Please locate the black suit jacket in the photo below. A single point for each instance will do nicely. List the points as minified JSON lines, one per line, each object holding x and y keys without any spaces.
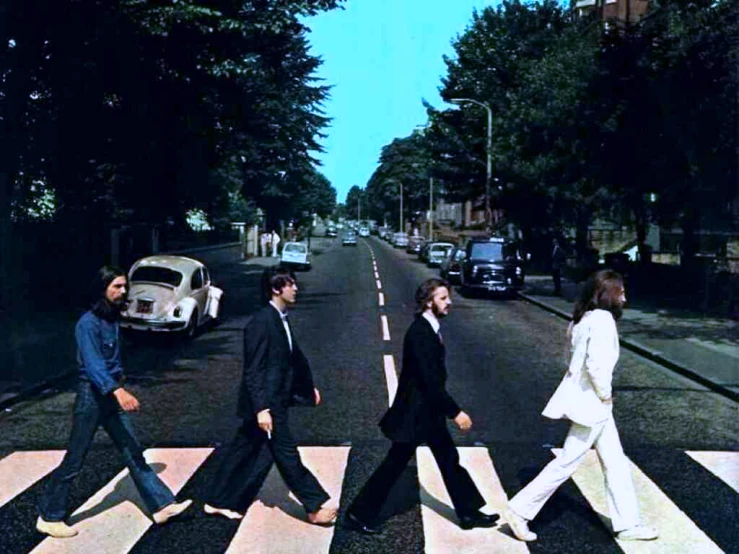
{"x":422,"y":402}
{"x":273,"y":376}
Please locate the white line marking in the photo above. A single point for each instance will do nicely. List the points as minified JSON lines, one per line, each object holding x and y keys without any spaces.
{"x":377,"y":275}
{"x":277,"y":522}
{"x":385,"y":328}
{"x":440,"y":529}
{"x":677,"y":532}
{"x":379,"y":285}
{"x":114,"y":519}
{"x":381,"y":298}
{"x":20,"y":470}
{"x":391,"y":377}
{"x":724,"y":465}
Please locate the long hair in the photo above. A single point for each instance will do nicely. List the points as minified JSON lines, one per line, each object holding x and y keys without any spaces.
{"x":275,"y":278}
{"x":425,"y":292}
{"x":99,"y":286}
{"x":601,"y":291}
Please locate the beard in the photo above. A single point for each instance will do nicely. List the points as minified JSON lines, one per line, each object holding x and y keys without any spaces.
{"x":107,"y":310}
{"x":437,"y":312}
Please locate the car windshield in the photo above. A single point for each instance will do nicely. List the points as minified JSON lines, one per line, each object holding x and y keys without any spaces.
{"x":153,"y":274}
{"x":440,"y":249}
{"x":297,"y":248}
{"x":493,"y":251}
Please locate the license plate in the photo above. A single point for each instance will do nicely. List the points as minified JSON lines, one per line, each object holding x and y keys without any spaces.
{"x":144,"y":306}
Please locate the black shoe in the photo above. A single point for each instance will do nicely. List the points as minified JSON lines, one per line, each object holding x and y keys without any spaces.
{"x":478,"y":519}
{"x":352,"y":522}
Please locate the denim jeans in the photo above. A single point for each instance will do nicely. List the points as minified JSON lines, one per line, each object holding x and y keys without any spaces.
{"x":92,"y":409}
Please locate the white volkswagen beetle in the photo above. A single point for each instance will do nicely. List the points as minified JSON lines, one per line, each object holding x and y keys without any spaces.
{"x":296,"y":254}
{"x":170,"y":293}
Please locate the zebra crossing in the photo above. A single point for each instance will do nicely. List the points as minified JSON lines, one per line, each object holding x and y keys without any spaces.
{"x":112,"y":520}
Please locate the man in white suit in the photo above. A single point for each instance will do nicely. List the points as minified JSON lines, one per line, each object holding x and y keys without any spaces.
{"x":584,"y":397}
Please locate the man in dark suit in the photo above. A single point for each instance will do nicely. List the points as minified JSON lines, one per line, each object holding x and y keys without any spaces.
{"x":418,"y":414}
{"x":276,"y":375}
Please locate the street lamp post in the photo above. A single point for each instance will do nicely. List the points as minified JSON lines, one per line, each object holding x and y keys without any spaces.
{"x":489,"y":148}
{"x":400,"y":230}
{"x":431,"y":209}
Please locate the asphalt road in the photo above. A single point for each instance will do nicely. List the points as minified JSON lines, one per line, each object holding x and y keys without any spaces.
{"x":505,"y":358}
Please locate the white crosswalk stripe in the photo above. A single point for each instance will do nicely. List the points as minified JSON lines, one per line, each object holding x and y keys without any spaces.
{"x":113,"y":520}
{"x":20,"y":470}
{"x":677,"y":531}
{"x":441,"y":532}
{"x":724,"y":465}
{"x":276,"y":522}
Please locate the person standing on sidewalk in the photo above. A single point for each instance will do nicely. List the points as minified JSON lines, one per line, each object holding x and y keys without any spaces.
{"x":559,"y":263}
{"x":276,"y":375}
{"x":584,"y":397}
{"x":275,"y":243}
{"x":102,"y":400}
{"x":418,"y":414}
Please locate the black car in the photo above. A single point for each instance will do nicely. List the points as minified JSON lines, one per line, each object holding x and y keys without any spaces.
{"x":451,"y":267}
{"x":491,"y":265}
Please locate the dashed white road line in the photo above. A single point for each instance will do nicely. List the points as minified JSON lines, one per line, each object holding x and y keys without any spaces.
{"x":381,"y":298}
{"x":377,"y":275}
{"x":390,"y":377}
{"x":379,"y":285}
{"x":385,"y":328}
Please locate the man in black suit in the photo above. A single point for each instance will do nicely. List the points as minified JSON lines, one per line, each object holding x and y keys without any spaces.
{"x":418,"y":414}
{"x":276,"y":375}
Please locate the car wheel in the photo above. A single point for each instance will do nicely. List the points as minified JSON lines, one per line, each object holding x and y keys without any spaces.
{"x":192,"y":326}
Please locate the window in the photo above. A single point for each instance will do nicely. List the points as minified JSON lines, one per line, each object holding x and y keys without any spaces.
{"x":206,"y":276}
{"x":197,"y":280}
{"x":491,"y":251}
{"x":152,"y":274}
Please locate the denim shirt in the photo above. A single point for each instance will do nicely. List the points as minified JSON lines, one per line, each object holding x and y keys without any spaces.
{"x":98,"y":352}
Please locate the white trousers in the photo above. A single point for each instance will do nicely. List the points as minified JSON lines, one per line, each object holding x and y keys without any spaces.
{"x":622,"y":504}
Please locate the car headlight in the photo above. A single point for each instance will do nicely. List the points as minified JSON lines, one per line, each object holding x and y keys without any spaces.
{"x":474,"y":269}
{"x":177,"y":311}
{"x":518,"y":271}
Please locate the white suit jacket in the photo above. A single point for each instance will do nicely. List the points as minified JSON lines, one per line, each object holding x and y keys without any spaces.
{"x":594,"y":346}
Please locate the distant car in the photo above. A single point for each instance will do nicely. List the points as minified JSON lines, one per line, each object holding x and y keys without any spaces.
{"x":415,"y":244}
{"x":400,"y":240}
{"x":331,"y":231}
{"x":491,"y":265}
{"x":349,"y":238}
{"x":437,"y":253}
{"x":296,"y":254}
{"x":383,"y":232}
{"x":451,"y":267}
{"x":170,"y":293}
{"x":364,"y":231}
{"x":423,"y":253}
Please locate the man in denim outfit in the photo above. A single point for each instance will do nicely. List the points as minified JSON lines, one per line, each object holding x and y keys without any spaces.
{"x":102,"y":400}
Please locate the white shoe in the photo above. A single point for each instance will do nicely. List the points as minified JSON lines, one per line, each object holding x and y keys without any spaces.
{"x":519,"y":526}
{"x":638,"y":533}
{"x":170,"y":511}
{"x":56,"y":529}
{"x":230,"y":514}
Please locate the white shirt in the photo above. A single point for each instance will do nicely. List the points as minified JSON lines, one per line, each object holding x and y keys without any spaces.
{"x":433,"y":320}
{"x":283,"y":317}
{"x":595,"y":350}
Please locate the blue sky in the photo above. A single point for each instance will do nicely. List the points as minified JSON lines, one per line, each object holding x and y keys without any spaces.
{"x":382,"y":58}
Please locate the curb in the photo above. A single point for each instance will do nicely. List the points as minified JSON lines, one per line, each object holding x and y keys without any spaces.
{"x":34,"y":390}
{"x":648,"y":353}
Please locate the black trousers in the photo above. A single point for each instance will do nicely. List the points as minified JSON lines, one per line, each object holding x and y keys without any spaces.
{"x":557,"y":278}
{"x":462,"y":490}
{"x":245,"y":462}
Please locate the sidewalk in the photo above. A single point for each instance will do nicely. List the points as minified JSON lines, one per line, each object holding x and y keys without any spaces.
{"x":704,"y":349}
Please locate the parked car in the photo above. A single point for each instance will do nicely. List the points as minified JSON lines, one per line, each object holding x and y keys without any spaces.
{"x":349,"y":238}
{"x":364,"y":231}
{"x":415,"y":243}
{"x":437,"y":253}
{"x":382,"y":232}
{"x":170,"y":293}
{"x":400,"y":240}
{"x":296,"y":254}
{"x":331,"y":230}
{"x":451,"y":267}
{"x":423,"y":253}
{"x":491,"y":265}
